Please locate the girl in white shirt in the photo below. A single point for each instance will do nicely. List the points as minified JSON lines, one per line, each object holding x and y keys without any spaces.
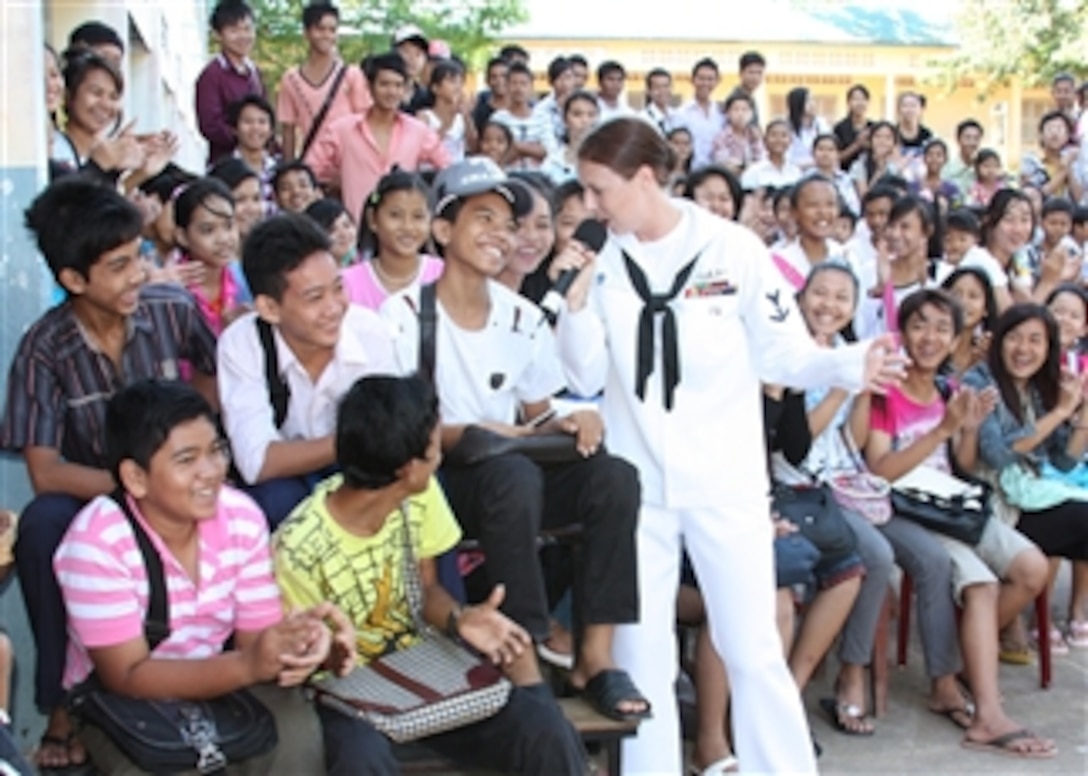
{"x":805,"y":126}
{"x":449,"y":116}
{"x":690,"y":420}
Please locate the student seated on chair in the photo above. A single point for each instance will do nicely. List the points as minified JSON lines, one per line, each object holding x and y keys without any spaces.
{"x":345,"y":543}
{"x":112,"y":329}
{"x":166,"y":452}
{"x":280,"y":387}
{"x":496,"y":365}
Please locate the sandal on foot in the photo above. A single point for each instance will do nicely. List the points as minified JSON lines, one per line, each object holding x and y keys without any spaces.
{"x":1058,"y":646}
{"x":62,"y":744}
{"x":961,"y":717}
{"x":717,"y":768}
{"x":611,"y":687}
{"x":1015,"y":656}
{"x":1078,"y":634}
{"x":1004,"y":745}
{"x":842,"y":715}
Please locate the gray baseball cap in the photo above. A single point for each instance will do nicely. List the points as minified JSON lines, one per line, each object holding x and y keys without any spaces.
{"x":479,"y":175}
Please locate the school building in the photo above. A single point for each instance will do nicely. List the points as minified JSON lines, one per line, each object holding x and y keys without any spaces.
{"x":890,"y":47}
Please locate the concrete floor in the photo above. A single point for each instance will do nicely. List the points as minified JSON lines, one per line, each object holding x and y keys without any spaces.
{"x":910,"y":739}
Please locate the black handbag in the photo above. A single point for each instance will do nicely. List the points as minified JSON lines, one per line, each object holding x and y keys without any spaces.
{"x":171,"y":736}
{"x":961,"y":516}
{"x":477,"y":444}
{"x":817,"y":516}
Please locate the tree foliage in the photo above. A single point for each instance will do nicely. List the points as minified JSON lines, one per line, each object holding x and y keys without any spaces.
{"x":469,"y":26}
{"x":1029,"y":40}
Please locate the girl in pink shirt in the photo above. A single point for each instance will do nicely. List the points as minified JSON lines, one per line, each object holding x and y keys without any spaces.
{"x":396,"y":227}
{"x":208,"y":234}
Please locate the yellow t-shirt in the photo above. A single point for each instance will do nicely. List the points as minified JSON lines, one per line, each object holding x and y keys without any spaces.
{"x":317,"y":560}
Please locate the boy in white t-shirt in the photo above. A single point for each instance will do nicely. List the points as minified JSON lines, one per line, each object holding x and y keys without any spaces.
{"x":496,"y":366}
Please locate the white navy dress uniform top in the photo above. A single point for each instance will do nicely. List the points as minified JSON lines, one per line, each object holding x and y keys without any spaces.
{"x":483,"y":375}
{"x":681,"y":373}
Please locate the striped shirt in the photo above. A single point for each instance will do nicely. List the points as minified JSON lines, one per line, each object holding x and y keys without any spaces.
{"x":534,"y":128}
{"x":59,"y":382}
{"x":104,"y":582}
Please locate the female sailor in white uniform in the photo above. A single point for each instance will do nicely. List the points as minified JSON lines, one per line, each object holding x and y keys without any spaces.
{"x":678,"y":319}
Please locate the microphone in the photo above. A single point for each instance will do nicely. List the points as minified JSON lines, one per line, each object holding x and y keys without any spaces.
{"x":592,"y":234}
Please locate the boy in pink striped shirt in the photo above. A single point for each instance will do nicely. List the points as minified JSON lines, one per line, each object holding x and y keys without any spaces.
{"x":165,"y":450}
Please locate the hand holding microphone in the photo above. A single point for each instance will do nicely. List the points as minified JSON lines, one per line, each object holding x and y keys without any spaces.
{"x":572,"y":284}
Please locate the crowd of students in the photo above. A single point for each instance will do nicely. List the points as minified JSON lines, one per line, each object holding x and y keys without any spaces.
{"x":222,"y":358}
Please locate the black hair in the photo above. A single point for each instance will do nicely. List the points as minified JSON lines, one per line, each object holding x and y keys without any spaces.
{"x":234,"y":110}
{"x":935,"y":142}
{"x":195,"y":195}
{"x":780,"y":194}
{"x":496,"y":62}
{"x":985,"y":155}
{"x":512,"y":51}
{"x":749,"y":58}
{"x":228,"y":12}
{"x":805,"y":182}
{"x":736,"y":97}
{"x":1057,"y":115}
{"x":861,"y":89}
{"x":577,"y":60}
{"x":76,"y":221}
{"x":504,"y":129}
{"x":904,"y":206}
{"x":795,"y":107}
{"x":1063,"y":77}
{"x":609,"y":67}
{"x":967,"y":124}
{"x":376,"y":63}
{"x":657,"y":72}
{"x":521,"y":68}
{"x":556,"y":68}
{"x":140,"y":418}
{"x":1078,"y":291}
{"x":168,"y":182}
{"x":1080,"y":215}
{"x":879,"y":192}
{"x":916,"y":95}
{"x":95,"y":33}
{"x":277,"y":246}
{"x":383,"y":423}
{"x":999,"y":206}
{"x":316,"y":11}
{"x":826,"y":136}
{"x":567,"y":190}
{"x":443,"y":69}
{"x":834,"y":265}
{"x":580,"y":96}
{"x":892,"y":181}
{"x":285,"y":168}
{"x":390,"y":183}
{"x":1058,"y":205}
{"x":936,"y":297}
{"x":80,"y":63}
{"x":324,"y":212}
{"x":846,"y":212}
{"x":979,"y":274}
{"x":700,"y":176}
{"x":1047,"y":381}
{"x":869,"y":161}
{"x":673,"y":133}
{"x":233,"y":172}
{"x":963,"y":220}
{"x":705,"y":62}
{"x":538,"y":183}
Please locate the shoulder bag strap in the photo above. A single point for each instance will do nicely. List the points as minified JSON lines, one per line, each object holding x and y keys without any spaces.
{"x":413,"y":584}
{"x":428,"y":331}
{"x":319,"y":119}
{"x":157,"y":621}
{"x":279,"y":392}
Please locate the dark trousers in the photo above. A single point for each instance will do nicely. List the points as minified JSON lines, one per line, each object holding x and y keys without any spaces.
{"x":1060,"y":532}
{"x":506,"y":501}
{"x":41,"y":527}
{"x":529,"y":736}
{"x":277,"y":498}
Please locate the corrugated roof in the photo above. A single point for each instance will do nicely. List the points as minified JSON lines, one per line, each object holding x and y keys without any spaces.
{"x":920,"y":23}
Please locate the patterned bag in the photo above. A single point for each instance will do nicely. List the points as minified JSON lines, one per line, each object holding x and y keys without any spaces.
{"x":860,"y":491}
{"x":433,"y":686}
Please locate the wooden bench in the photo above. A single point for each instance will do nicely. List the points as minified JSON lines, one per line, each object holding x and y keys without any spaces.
{"x":594,"y":728}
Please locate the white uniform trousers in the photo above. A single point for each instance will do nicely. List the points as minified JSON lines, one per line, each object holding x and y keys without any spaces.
{"x":731,"y":551}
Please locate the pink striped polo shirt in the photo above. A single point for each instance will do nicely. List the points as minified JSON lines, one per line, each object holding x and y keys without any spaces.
{"x":104,"y":583}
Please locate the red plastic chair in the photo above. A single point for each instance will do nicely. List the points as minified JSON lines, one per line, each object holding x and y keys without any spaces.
{"x":1042,"y":618}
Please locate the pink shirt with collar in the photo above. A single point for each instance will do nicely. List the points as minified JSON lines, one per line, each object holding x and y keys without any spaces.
{"x":347,"y":151}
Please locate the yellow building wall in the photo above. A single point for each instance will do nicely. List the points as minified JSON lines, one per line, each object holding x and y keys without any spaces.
{"x":1009,"y":116}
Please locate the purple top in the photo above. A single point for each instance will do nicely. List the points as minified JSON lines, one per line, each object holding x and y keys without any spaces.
{"x":220,"y":84}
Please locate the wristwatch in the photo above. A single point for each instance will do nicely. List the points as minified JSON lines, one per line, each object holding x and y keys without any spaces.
{"x":453,"y":621}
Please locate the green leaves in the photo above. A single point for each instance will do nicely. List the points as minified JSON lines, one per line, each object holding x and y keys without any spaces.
{"x":1030,"y":40}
